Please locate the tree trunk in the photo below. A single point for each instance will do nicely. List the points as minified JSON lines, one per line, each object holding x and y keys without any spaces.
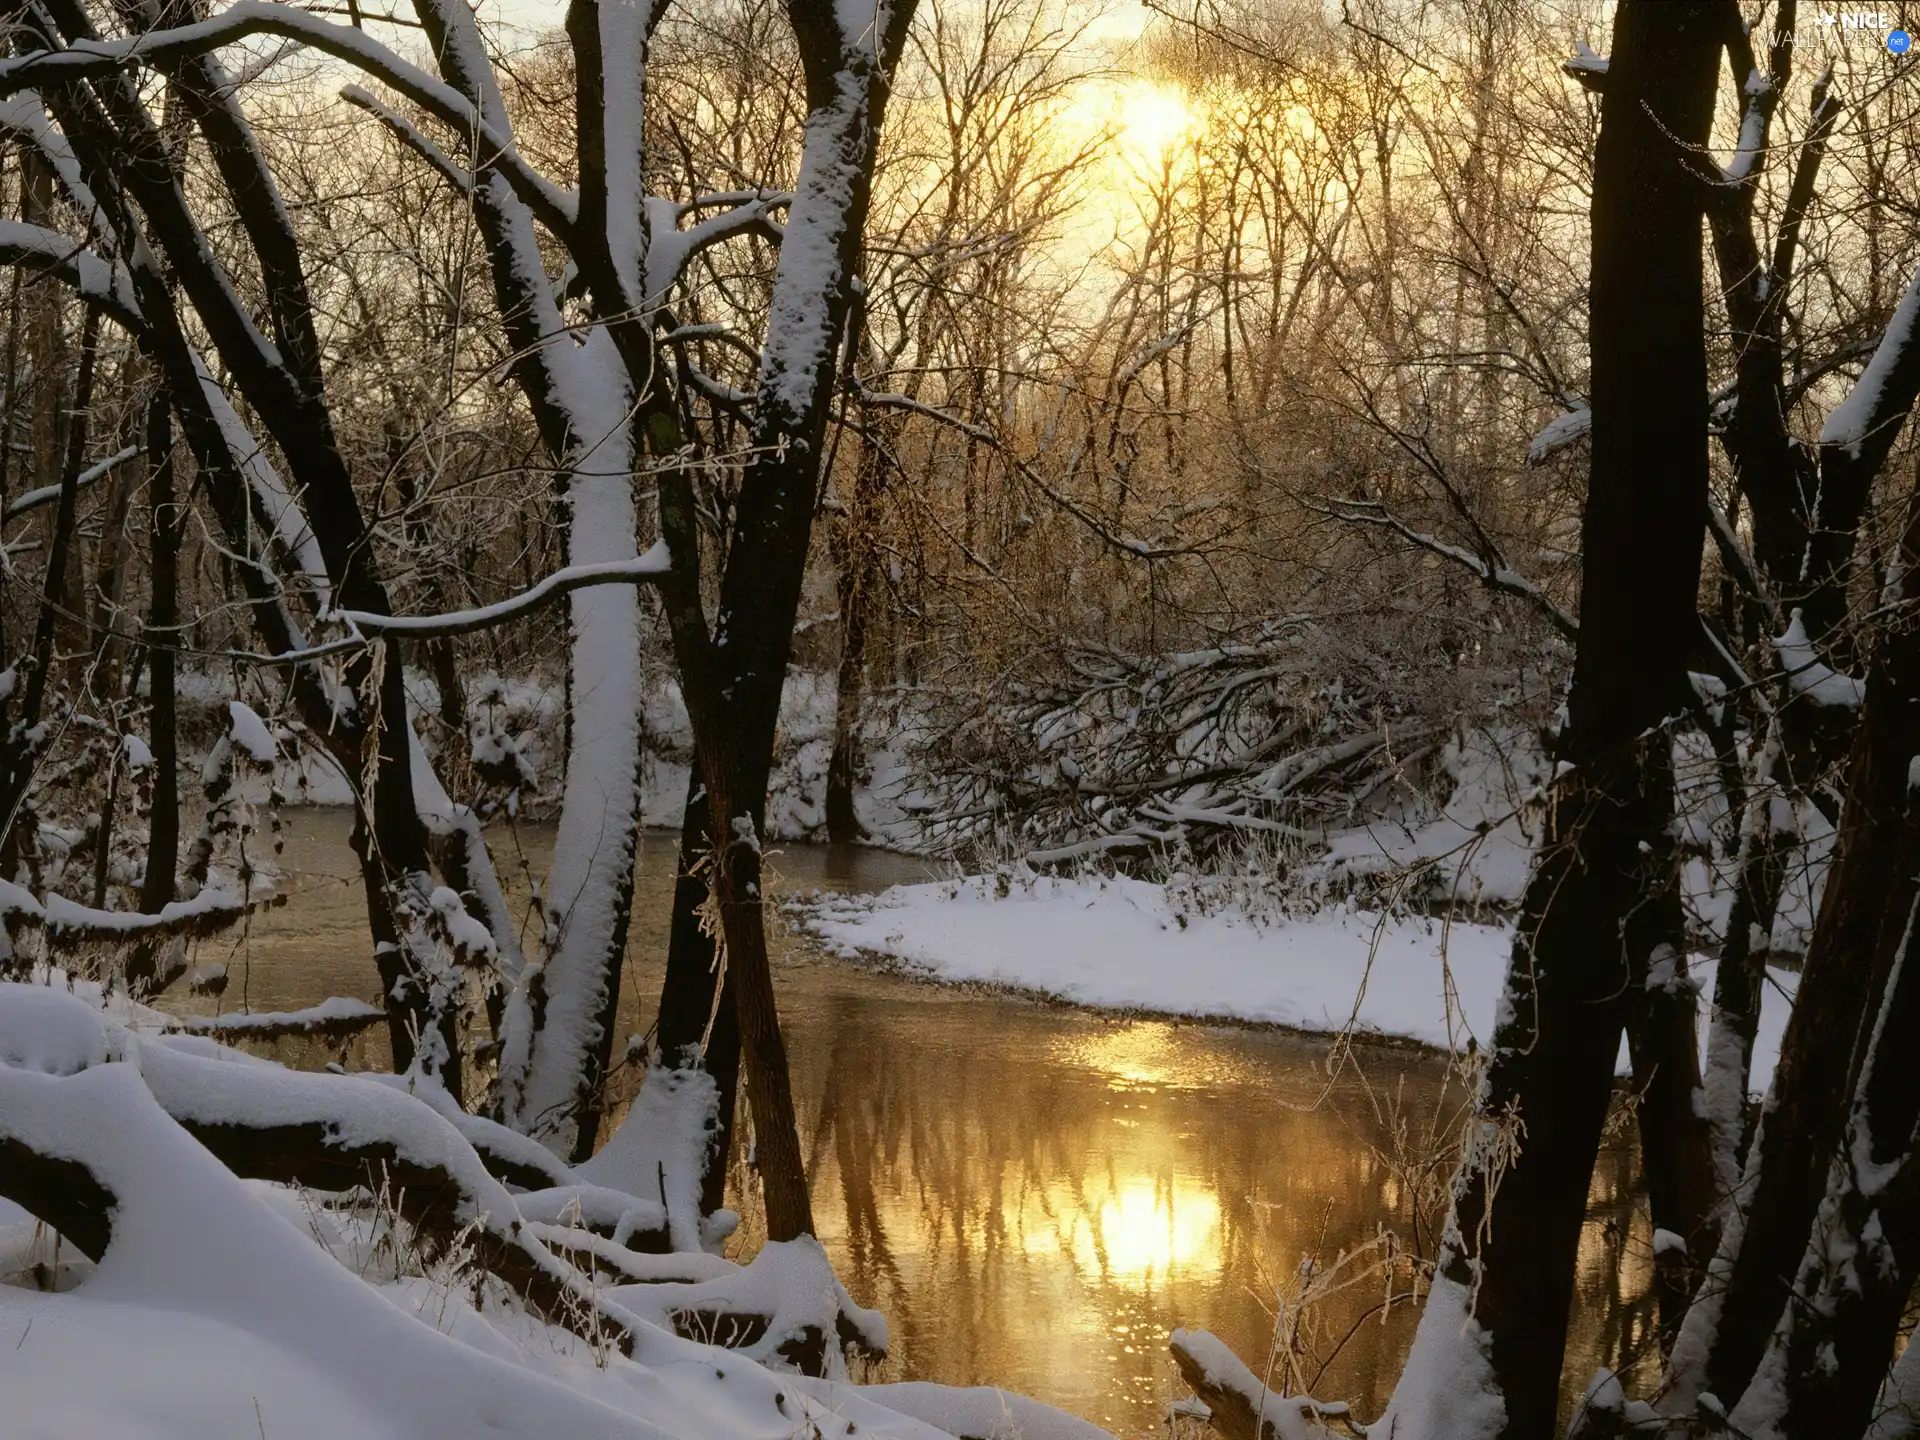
{"x":1740,"y":979}
{"x":733,"y":685}
{"x":688,"y":1002}
{"x":1598,"y":899}
{"x":1843,"y":978}
{"x":1826,"y":1357}
{"x":22,"y":753}
{"x":163,"y":619}
{"x":843,"y":824}
{"x":858,"y":588}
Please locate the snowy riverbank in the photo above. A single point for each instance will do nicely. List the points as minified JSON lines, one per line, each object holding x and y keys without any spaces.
{"x":1120,"y":944}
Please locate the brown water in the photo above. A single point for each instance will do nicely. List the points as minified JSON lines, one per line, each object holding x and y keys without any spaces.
{"x":1036,"y":1196}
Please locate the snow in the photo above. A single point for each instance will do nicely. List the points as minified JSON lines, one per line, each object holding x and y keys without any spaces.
{"x":1123,"y":944}
{"x":983,"y":1412}
{"x":331,"y":1011}
{"x":1120,"y":943}
{"x":250,"y":733}
{"x":47,"y":494}
{"x":1809,"y":676}
{"x":1281,"y":1417}
{"x":800,"y":338}
{"x":458,"y":824}
{"x":644,"y":570}
{"x":270,"y":490}
{"x":623,"y":66}
{"x":1586,"y":59}
{"x":218,"y":1309}
{"x":1558,"y":433}
{"x":101,"y":281}
{"x":70,"y":920}
{"x":1447,"y":1390}
{"x":1847,"y":424}
{"x":789,"y":1281}
{"x":589,"y":887}
{"x":230,"y":1311}
{"x":43,"y":1030}
{"x":661,"y":1147}
{"x":1479,"y":848}
{"x":467,"y":936}
{"x":1753,"y":130}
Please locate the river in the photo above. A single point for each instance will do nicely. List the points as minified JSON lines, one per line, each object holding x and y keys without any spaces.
{"x":1036,"y":1196}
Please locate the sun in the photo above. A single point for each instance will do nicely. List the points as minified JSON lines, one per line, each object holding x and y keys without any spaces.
{"x":1150,"y":117}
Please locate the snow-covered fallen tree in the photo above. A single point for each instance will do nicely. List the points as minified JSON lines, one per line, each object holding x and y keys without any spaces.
{"x":382,"y":1282}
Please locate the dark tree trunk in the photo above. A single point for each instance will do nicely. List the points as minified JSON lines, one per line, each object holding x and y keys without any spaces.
{"x":22,"y":754}
{"x":1843,"y":979}
{"x":687,"y":999}
{"x":858,"y":588}
{"x":123,"y":151}
{"x":163,"y":619}
{"x":843,"y":765}
{"x":1601,"y":895}
{"x":1859,"y":1263}
{"x":1676,"y":1139}
{"x":733,"y":684}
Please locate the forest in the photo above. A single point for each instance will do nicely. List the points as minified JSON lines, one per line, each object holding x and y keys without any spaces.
{"x":959,"y":719}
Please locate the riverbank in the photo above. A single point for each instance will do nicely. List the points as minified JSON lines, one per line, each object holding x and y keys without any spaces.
{"x":1130,"y":946}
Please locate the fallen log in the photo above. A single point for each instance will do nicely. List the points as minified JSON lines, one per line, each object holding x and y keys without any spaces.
{"x":1241,"y":1406}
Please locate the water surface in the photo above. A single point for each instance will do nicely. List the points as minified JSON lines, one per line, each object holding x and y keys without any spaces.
{"x":1035,"y":1196}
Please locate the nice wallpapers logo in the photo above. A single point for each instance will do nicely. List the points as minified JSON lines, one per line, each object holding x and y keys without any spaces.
{"x":1866,"y":24}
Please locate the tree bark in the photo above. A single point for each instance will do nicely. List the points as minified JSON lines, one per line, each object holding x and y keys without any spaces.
{"x":1827,"y":1356}
{"x":1598,"y":898}
{"x":859,"y":585}
{"x":688,"y":1000}
{"x":22,"y":753}
{"x":744,"y":667}
{"x":1843,"y":978}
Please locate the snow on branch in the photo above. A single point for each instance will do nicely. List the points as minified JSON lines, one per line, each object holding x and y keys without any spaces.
{"x":785,"y":1305}
{"x":1750,"y":148}
{"x":68,"y":924}
{"x":1242,"y":1407}
{"x":330,"y":1132}
{"x":1811,"y":677}
{"x":556,"y":207}
{"x":669,"y":248}
{"x":24,"y":116}
{"x":1587,"y":66}
{"x":409,"y":134}
{"x":1558,"y":433}
{"x":1881,"y":397}
{"x":46,"y":494}
{"x":101,"y":283}
{"x":646,"y":570}
{"x":271,"y":496}
{"x":1492,"y":574}
{"x":334,"y":1018}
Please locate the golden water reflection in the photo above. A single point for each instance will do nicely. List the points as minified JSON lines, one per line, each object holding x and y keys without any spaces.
{"x":1035,"y":1196}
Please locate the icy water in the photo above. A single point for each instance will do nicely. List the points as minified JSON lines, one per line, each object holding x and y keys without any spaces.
{"x":1035,"y":1196}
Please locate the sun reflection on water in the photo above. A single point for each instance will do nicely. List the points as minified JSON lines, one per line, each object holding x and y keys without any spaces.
{"x":1152,"y":1055}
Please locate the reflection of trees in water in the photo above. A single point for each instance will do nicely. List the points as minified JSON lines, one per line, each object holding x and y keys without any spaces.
{"x":1021,"y":1215}
{"x":1615,"y":1314}
{"x":969,"y":1164}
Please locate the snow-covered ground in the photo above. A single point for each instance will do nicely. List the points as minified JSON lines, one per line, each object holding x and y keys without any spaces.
{"x":216,"y":1306}
{"x":1123,"y":944}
